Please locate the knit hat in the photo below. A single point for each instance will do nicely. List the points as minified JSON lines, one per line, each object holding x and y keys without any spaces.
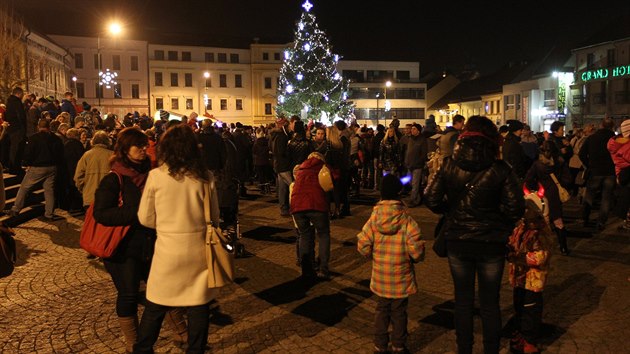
{"x":390,"y":187}
{"x":164,"y":115}
{"x":625,"y":128}
{"x":514,"y":125}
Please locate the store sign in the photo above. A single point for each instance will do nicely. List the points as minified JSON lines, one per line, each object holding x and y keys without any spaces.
{"x":605,"y":73}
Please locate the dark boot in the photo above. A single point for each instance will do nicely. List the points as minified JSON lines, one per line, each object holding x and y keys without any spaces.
{"x":129,"y":329}
{"x":562,"y":240}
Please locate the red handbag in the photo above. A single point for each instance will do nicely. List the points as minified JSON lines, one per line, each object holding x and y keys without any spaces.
{"x":100,"y":240}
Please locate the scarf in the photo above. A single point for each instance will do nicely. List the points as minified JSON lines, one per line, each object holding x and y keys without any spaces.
{"x":138,"y":173}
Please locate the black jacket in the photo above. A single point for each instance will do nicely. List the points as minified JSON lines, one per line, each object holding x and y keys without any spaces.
{"x":15,"y":115}
{"x":416,"y":152}
{"x":595,"y":156}
{"x":298,"y":150}
{"x":260,"y":152}
{"x":483,"y":214}
{"x":278,"y":146}
{"x":514,"y":155}
{"x":212,"y":149}
{"x":73,"y":150}
{"x":44,"y":149}
{"x":139,"y":241}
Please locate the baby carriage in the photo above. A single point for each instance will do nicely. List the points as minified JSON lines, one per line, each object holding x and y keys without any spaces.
{"x":228,"y":205}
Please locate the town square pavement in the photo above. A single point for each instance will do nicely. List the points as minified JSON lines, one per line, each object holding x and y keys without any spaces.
{"x":57,"y":301}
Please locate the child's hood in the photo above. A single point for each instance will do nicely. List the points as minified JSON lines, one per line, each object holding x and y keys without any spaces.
{"x":389,"y":216}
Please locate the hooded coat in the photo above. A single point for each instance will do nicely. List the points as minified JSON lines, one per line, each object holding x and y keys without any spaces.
{"x":392,"y":238}
{"x":307,"y":193}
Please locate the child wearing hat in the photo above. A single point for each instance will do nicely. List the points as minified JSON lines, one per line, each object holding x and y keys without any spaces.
{"x":393,"y":240}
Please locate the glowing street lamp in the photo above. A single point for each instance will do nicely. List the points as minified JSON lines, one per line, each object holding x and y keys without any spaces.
{"x":114,"y":29}
{"x":388,"y":105}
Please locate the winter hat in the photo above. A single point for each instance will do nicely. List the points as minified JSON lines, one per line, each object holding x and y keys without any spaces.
{"x":625,"y":128}
{"x":164,"y":115}
{"x":390,"y":187}
{"x":514,"y":125}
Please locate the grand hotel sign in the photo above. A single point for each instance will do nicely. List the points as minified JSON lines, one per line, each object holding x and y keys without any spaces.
{"x":606,"y":73}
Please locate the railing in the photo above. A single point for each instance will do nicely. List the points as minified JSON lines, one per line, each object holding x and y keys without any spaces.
{"x":578,"y":100}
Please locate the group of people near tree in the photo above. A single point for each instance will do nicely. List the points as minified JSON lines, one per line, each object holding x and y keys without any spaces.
{"x":153,"y":177}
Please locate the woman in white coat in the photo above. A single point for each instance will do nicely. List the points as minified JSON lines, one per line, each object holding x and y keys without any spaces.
{"x":172,"y":203}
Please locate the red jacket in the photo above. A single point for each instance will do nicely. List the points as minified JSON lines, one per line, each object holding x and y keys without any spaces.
{"x":307,"y":194}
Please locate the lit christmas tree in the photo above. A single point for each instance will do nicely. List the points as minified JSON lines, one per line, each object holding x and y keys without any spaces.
{"x":310,"y":85}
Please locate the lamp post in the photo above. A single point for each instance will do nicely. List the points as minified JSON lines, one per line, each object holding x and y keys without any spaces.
{"x":387,"y":84}
{"x":206,"y":76}
{"x":114,"y":29}
{"x":378,"y":112}
{"x":74,"y":84}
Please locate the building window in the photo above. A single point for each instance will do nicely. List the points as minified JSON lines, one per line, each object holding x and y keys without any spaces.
{"x":78,"y":61}
{"x":224,"y":104}
{"x":238,"y":80}
{"x":590,"y":61}
{"x":186,"y":56}
{"x":402,"y":75}
{"x":549,"y":98}
{"x":134,"y":63}
{"x":265,"y":56}
{"x":174,"y":103}
{"x":610,"y":58}
{"x":276,"y":56}
{"x":135,"y":91}
{"x":509,"y":102}
{"x":159,"y":103}
{"x":209,"y":104}
{"x":189,"y":103}
{"x":268,"y":109}
{"x":234,"y":58}
{"x":158,"y":78}
{"x":239,"y":104}
{"x":209,"y":57}
{"x":267,"y":82}
{"x":172,"y":55}
{"x":188,"y":79}
{"x":174,"y":79}
{"x":159,"y":55}
{"x":208,"y":82}
{"x":222,"y":80}
{"x":222,"y":58}
{"x":80,"y":89}
{"x":99,"y":90}
{"x":118,"y":91}
{"x":116,"y":61}
{"x":97,"y":65}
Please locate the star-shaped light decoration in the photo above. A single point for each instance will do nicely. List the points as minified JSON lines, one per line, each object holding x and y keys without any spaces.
{"x":307,"y":6}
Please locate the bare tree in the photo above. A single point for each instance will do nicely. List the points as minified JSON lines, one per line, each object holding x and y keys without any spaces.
{"x":12,"y":51}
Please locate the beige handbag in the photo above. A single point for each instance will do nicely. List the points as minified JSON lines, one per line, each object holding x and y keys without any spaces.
{"x":219,"y":251}
{"x":562,"y":192}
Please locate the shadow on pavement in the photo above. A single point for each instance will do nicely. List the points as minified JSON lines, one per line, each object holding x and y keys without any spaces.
{"x":68,"y":238}
{"x":266,"y":233}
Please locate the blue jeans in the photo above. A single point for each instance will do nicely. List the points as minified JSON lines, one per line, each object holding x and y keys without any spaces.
{"x":416,"y":179}
{"x":33,"y":176}
{"x":392,"y":311}
{"x":595,"y":185}
{"x":284,"y":179}
{"x":126,"y":276}
{"x":308,"y":222}
{"x":489,"y":270}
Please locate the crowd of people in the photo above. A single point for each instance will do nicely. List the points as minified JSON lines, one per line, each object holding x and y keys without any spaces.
{"x":134,"y":169}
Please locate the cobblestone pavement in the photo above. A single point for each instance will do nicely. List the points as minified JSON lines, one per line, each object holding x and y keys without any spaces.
{"x":57,"y":301}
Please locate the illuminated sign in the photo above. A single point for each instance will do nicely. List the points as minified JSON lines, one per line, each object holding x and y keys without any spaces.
{"x":605,"y":73}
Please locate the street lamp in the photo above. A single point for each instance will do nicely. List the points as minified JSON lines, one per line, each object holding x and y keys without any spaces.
{"x":114,"y":28}
{"x":74,"y":84}
{"x":206,"y":75}
{"x":378,"y":113}
{"x":387,"y":105}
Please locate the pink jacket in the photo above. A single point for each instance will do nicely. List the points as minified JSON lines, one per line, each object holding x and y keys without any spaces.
{"x":620,"y":152}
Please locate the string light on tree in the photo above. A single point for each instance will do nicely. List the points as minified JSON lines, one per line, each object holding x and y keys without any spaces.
{"x":309,"y":83}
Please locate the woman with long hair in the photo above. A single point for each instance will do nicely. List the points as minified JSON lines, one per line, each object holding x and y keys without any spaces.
{"x":173,"y":204}
{"x":482,"y":200}
{"x":337,"y":158}
{"x":131,"y":261}
{"x":389,"y":159}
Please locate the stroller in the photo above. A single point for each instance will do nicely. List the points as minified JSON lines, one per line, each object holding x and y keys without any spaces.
{"x":228,"y":190}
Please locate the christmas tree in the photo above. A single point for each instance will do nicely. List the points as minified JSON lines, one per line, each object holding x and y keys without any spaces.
{"x":310,"y":86}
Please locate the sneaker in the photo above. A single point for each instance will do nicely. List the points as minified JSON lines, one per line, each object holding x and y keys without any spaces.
{"x":529,"y":348}
{"x":323,"y":275}
{"x":400,"y":350}
{"x":378,"y":350}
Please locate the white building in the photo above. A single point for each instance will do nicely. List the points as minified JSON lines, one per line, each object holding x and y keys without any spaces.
{"x":49,"y":66}
{"x":375,"y":100}
{"x":127,"y":58}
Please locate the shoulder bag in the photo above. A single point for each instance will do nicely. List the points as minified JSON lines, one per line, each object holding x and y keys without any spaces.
{"x":100,"y":240}
{"x":562,"y":192}
{"x":439,"y":245}
{"x":219,"y":250}
{"x":8,"y":252}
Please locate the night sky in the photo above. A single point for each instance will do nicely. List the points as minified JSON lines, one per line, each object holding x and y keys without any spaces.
{"x":445,"y":34}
